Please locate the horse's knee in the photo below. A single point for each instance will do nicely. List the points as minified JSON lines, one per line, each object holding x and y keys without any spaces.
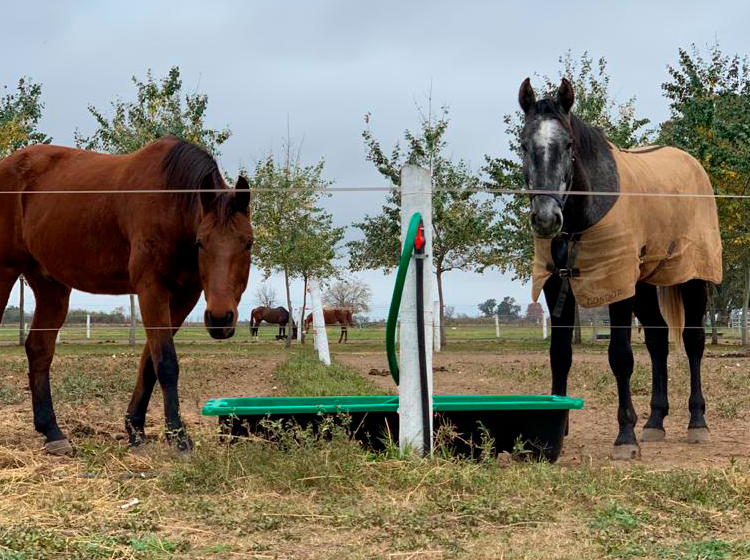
{"x":621,"y":359}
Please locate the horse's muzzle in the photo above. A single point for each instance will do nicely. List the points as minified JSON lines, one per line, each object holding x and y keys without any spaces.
{"x":219,"y":327}
{"x":546,"y":217}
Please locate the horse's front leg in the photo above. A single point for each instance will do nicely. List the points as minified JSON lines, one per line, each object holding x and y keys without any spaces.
{"x":155,"y":310}
{"x":561,"y":337}
{"x":621,"y":362}
{"x":135,"y":419}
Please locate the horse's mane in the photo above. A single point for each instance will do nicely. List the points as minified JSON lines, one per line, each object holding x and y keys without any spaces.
{"x":186,"y":166}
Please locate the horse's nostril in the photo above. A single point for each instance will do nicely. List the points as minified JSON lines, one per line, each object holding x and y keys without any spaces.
{"x":230,"y":317}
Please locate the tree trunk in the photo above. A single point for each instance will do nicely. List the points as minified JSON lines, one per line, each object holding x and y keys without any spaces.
{"x":288,"y":342}
{"x":22,"y":317}
{"x":302,"y":315}
{"x":577,"y":327}
{"x":131,"y":338}
{"x":745,"y":298}
{"x":712,"y":318}
{"x":439,"y":275}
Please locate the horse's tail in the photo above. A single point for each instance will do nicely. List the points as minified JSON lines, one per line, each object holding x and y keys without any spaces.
{"x":673,"y":311}
{"x":349,"y":319}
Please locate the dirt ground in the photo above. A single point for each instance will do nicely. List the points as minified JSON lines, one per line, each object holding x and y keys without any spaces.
{"x":594,"y":428}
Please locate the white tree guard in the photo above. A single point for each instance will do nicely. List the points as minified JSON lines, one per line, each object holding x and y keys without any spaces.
{"x":416,"y":196}
{"x":544,"y":325}
{"x":300,"y":323}
{"x":436,"y":325}
{"x":319,"y":323}
{"x":88,"y":326}
{"x":497,"y":327}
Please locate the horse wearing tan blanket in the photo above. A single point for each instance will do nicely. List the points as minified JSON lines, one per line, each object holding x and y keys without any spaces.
{"x":638,"y":245}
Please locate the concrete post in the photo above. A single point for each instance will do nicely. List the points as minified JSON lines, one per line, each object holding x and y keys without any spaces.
{"x":88,"y":326}
{"x":416,"y":196}
{"x":497,"y":327}
{"x":319,"y":323}
{"x":544,"y":325}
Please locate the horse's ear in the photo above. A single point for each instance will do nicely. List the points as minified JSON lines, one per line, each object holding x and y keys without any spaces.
{"x":241,"y":199}
{"x":565,"y":95}
{"x":526,"y":96}
{"x":208,"y":192}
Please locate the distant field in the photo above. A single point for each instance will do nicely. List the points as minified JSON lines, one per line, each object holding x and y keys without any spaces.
{"x":364,"y":335}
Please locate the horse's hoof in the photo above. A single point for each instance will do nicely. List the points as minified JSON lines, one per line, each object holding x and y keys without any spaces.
{"x":626,"y":452}
{"x":61,"y":447}
{"x":653,"y":434}
{"x":698,"y":435}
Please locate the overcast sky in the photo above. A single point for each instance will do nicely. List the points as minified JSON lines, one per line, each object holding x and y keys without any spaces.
{"x":323,"y":65}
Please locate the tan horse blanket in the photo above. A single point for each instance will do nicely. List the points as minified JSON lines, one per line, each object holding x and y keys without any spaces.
{"x":661,"y":240}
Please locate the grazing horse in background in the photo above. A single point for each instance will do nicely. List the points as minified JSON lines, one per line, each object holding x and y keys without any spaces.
{"x":334,"y":316}
{"x":275,"y":315}
{"x":651,"y":255}
{"x":167,"y":246}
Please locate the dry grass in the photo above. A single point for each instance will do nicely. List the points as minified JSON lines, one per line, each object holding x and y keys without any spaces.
{"x":304,"y":498}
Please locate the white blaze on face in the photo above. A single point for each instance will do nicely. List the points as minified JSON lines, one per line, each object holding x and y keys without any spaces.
{"x":545,"y":135}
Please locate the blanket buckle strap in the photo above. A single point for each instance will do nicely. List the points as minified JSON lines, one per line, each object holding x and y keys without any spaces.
{"x":566,"y":273}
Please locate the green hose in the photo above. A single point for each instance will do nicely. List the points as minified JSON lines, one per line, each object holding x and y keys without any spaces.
{"x":403,"y":265}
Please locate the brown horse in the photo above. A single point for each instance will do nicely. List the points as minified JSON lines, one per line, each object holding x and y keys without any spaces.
{"x":276,"y":315}
{"x":335,"y":316}
{"x":167,"y":247}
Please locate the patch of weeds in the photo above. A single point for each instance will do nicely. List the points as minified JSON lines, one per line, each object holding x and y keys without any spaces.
{"x":29,"y":543}
{"x":715,"y":549}
{"x":9,"y":395}
{"x":156,"y":545}
{"x":79,"y":388}
{"x":727,"y":408}
{"x":303,"y":374}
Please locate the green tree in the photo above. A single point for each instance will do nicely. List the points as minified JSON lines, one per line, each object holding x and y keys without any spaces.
{"x":293,"y":235}
{"x":20,"y":112}
{"x":463,"y":221}
{"x":157,"y":111}
{"x":709,"y":101}
{"x":509,"y":310}
{"x":487,"y":308}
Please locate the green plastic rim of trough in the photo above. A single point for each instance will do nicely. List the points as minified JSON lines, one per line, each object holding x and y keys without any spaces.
{"x":398,"y":290}
{"x":262,"y":406}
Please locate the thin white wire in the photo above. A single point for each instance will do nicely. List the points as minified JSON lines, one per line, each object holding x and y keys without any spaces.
{"x":487,"y":190}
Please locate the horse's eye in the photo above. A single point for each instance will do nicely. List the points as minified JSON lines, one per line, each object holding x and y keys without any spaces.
{"x":249,"y":246}
{"x":199,"y":244}
{"x":524,"y":146}
{"x":569,"y":145}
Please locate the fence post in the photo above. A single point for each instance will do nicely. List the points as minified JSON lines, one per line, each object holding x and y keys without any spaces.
{"x":497,"y":327}
{"x":319,"y":323}
{"x":416,"y":196}
{"x":436,"y":325}
{"x":131,"y":339}
{"x":88,"y":326}
{"x":544,"y":325}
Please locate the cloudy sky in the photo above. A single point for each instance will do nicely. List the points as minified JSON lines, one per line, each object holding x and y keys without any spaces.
{"x":322,"y":65}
